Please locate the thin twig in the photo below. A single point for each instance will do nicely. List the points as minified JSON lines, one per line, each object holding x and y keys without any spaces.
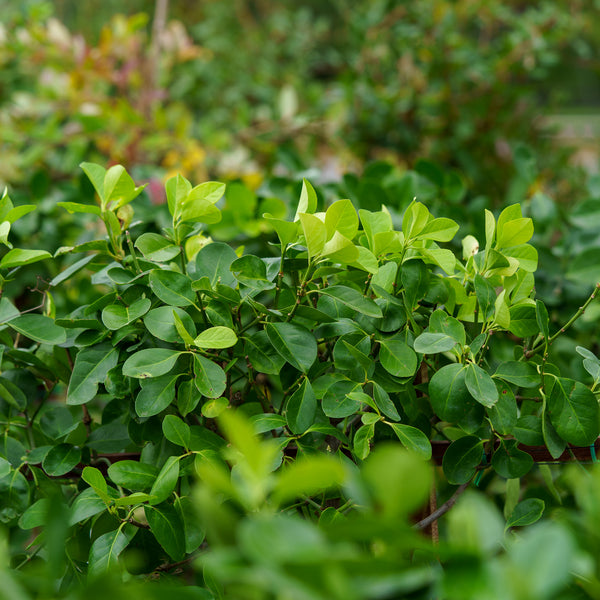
{"x":443,"y":509}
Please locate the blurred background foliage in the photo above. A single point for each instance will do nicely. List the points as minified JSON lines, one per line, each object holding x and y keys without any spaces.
{"x":466,"y":104}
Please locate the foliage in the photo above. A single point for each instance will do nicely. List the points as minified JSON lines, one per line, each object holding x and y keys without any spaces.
{"x":357,"y":333}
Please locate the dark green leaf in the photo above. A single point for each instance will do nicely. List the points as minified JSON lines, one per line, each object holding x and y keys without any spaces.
{"x":133,"y":475}
{"x":214,"y":261}
{"x":156,"y":247}
{"x":384,"y":403}
{"x":413,"y":439}
{"x":301,"y":408}
{"x":165,"y":481}
{"x":510,"y":462}
{"x":155,"y":395}
{"x":397,"y":357}
{"x":296,"y":344}
{"x":152,"y":362}
{"x":176,"y":431}
{"x":39,"y":329}
{"x":90,"y":369}
{"x":61,"y":459}
{"x":486,"y":297}
{"x":210,"y":377}
{"x":448,"y":392}
{"x":262,"y":355}
{"x":573,"y":412}
{"x":172,"y":288}
{"x":160,"y":322}
{"x":432,"y":343}
{"x":462,"y":458}
{"x":353,"y":299}
{"x":167,"y":526}
{"x":481,"y":386}
{"x":523,"y":322}
{"x":105,"y":551}
{"x":116,"y":316}
{"x":526,"y":513}
{"x":519,"y":373}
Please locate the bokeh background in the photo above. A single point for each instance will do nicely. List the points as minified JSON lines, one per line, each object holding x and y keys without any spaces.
{"x":465,"y":104}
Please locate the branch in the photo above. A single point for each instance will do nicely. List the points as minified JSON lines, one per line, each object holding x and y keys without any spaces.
{"x":443,"y":509}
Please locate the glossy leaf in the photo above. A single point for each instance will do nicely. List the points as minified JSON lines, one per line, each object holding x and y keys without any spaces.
{"x":116,"y":316}
{"x":61,"y":459}
{"x":413,"y":439}
{"x":89,"y":370}
{"x":133,"y":475}
{"x":353,"y":299}
{"x":105,"y":551}
{"x":176,"y":431}
{"x":296,"y":344}
{"x":510,"y":462}
{"x":210,"y":378}
{"x":573,"y":412}
{"x":160,"y":322}
{"x":165,"y":481}
{"x":301,"y":408}
{"x":462,"y":458}
{"x":155,"y":395}
{"x":151,"y":362}
{"x":433,"y":343}
{"x":39,"y":329}
{"x":216,"y":338}
{"x":172,"y":288}
{"x":167,"y":526}
{"x":481,"y":386}
{"x":397,"y":357}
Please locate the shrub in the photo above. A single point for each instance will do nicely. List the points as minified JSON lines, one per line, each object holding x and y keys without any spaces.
{"x":354,"y":334}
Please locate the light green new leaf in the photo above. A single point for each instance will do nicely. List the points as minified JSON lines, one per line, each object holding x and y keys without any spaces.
{"x":151,"y":362}
{"x":96,"y":174}
{"x":90,"y":369}
{"x":315,"y":233}
{"x":341,"y":217}
{"x":413,"y":439}
{"x":514,"y":233}
{"x":216,"y":338}
{"x":439,"y":230}
{"x":362,"y":441}
{"x":18,"y":257}
{"x":75,"y":207}
{"x":340,"y":249}
{"x":308,"y":200}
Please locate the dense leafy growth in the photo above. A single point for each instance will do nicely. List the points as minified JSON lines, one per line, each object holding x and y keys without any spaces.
{"x":291,"y":367}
